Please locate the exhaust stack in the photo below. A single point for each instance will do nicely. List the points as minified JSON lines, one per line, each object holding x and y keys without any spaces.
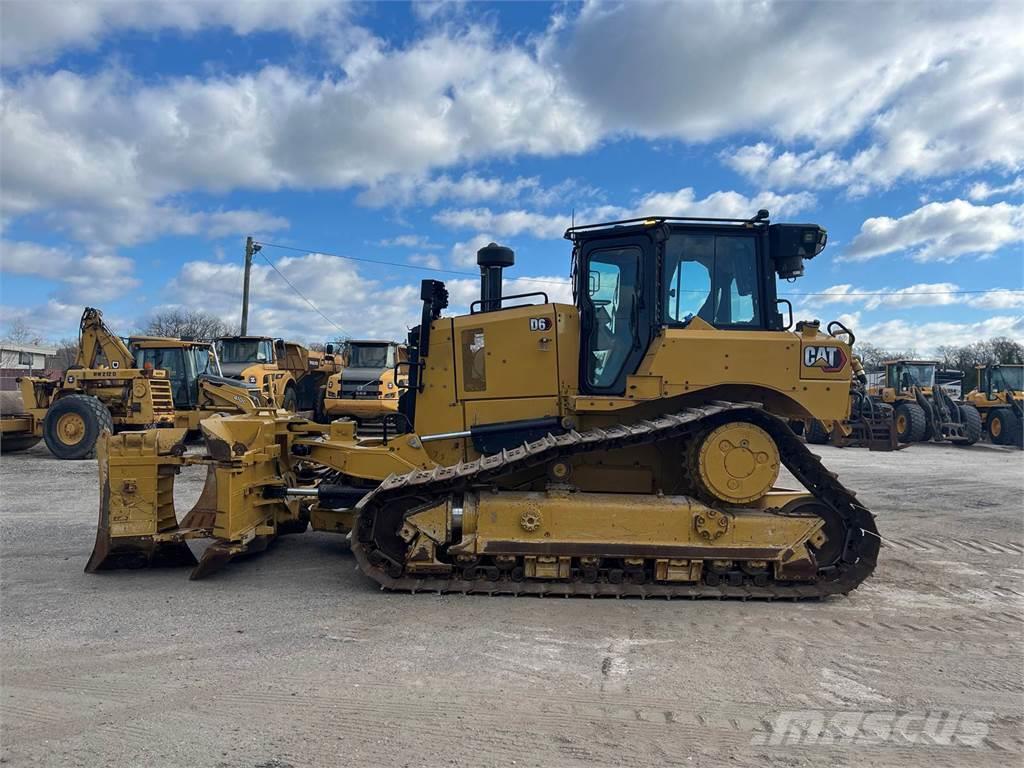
{"x":492,"y":259}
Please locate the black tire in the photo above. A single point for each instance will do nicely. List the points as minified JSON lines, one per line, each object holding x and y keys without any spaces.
{"x":319,"y":410}
{"x":290,"y":401}
{"x":1002,"y":427}
{"x":15,"y":443}
{"x":971,"y":420}
{"x":816,"y":433}
{"x":911,"y":423}
{"x":94,"y":418}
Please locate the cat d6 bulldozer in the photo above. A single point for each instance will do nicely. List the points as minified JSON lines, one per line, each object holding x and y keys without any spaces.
{"x":628,"y":444}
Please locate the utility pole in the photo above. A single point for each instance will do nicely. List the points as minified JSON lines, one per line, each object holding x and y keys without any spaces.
{"x":251,"y":248}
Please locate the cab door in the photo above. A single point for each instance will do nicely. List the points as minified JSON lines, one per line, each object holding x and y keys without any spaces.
{"x":614,"y":299}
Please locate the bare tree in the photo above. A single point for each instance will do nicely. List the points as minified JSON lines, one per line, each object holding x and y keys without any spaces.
{"x":181,"y":323}
{"x":67,"y":352}
{"x":18,"y":332}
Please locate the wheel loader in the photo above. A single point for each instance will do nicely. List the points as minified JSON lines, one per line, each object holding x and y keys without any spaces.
{"x":871,"y":424}
{"x":115,"y":386}
{"x":999,"y":398}
{"x":922,"y":409}
{"x":368,"y":388}
{"x":288,"y":374}
{"x":628,"y":444}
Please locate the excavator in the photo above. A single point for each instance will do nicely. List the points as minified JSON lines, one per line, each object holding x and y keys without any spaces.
{"x":116,"y":386}
{"x":628,"y":444}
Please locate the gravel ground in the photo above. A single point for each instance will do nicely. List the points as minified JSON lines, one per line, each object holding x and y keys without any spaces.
{"x":292,"y":658}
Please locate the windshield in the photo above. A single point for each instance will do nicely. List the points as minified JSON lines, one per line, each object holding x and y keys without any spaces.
{"x":245,"y":351}
{"x":713,"y":277}
{"x":368,"y":356}
{"x":913,"y":375}
{"x":1004,"y":378}
{"x":172,"y":360}
{"x":205,"y":361}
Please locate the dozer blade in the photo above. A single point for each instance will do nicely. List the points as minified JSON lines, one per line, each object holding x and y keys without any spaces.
{"x":137,"y":526}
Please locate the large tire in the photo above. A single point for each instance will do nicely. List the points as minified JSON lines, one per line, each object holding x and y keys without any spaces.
{"x":971,"y":420}
{"x":816,"y":433}
{"x":1002,"y":427}
{"x":15,"y":443}
{"x":911,"y":423}
{"x":320,"y":410}
{"x":73,"y":425}
{"x":290,"y":401}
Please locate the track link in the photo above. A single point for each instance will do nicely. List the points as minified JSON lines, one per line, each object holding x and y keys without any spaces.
{"x":855,"y":564}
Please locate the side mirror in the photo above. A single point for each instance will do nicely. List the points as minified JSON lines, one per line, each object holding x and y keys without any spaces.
{"x":329,"y":349}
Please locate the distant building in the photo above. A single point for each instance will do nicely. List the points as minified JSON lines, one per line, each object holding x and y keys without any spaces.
{"x":22,"y":360}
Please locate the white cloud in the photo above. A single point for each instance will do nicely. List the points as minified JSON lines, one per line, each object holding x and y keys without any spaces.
{"x":925,"y":337}
{"x":682,"y":202}
{"x":464,"y":252}
{"x":941,"y":232}
{"x":998,"y":299}
{"x":35,"y":31}
{"x":408,"y":190}
{"x":917,"y":295}
{"x":408,"y":241}
{"x":77,"y":144}
{"x":983,"y":191}
{"x":94,"y":277}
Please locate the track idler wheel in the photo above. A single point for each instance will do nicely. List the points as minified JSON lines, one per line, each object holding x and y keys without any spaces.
{"x":736,"y":463}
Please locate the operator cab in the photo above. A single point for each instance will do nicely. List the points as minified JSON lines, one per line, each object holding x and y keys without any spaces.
{"x":184,"y":362}
{"x":904,"y":375}
{"x":634,"y":277}
{"x":237,"y":353}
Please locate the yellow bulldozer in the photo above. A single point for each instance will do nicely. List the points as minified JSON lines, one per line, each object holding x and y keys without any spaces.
{"x":922,"y":409}
{"x":115,"y":385}
{"x":628,"y":444}
{"x":999,"y":398}
{"x":367,"y":389}
{"x":288,"y":374}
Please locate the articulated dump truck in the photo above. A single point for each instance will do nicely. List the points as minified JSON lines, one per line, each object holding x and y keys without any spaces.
{"x":628,"y":444}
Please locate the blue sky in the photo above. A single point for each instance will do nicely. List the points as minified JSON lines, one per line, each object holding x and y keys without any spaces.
{"x":142,"y":141}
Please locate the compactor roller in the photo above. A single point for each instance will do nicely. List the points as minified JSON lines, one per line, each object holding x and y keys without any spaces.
{"x":630,"y":444}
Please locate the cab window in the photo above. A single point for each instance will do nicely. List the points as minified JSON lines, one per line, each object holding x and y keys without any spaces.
{"x":613,"y":294}
{"x":713,"y":277}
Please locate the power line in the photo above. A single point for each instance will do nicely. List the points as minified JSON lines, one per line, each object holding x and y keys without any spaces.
{"x":461,"y":273}
{"x":301,"y":295}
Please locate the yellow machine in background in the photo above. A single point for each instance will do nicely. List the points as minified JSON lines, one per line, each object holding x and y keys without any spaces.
{"x":368,"y":388}
{"x":999,"y":398}
{"x":112,"y":385}
{"x":922,"y":409}
{"x":629,"y":444}
{"x":102,"y":390}
{"x":288,"y":374}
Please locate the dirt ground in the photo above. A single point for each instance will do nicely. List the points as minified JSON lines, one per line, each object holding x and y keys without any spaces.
{"x":292,"y":658}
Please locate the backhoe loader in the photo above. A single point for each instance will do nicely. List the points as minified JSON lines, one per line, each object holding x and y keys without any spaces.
{"x":628,"y":444}
{"x":115,"y":386}
{"x":288,"y":374}
{"x":999,"y":398}
{"x":922,"y":409}
{"x":367,"y":389}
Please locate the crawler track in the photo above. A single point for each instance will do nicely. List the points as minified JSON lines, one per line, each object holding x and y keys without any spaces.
{"x":379,"y":554}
